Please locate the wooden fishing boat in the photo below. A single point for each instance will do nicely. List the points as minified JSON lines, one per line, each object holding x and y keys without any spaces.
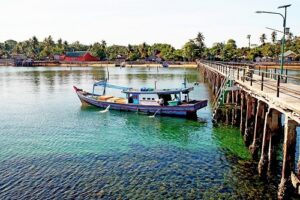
{"x":171,"y":102}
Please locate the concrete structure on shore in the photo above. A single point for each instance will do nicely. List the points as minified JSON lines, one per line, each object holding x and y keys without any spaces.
{"x":259,"y":103}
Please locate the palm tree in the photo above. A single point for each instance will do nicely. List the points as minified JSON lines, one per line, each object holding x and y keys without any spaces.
{"x":249,"y":37}
{"x":66,"y":46}
{"x":48,"y":45}
{"x":263,"y":38}
{"x":274,"y":36}
{"x":142,"y":48}
{"x":199,"y":41}
{"x":60,"y":43}
{"x":129,"y":48}
{"x":103,"y":44}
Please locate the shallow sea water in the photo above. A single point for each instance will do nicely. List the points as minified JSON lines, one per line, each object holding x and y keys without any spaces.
{"x":53,"y":148}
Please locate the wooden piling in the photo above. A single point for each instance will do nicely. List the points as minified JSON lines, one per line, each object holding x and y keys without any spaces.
{"x":236,"y":108}
{"x":259,"y":117}
{"x":274,"y":132}
{"x":233,"y":101}
{"x":262,"y":165}
{"x":289,"y":144}
{"x":242,"y":124}
{"x":248,"y":123}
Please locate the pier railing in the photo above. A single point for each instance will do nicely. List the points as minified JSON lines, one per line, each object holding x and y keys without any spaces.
{"x":267,"y":77}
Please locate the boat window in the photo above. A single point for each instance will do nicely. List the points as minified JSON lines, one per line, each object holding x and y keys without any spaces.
{"x":153,"y":99}
{"x":144,"y":98}
{"x":166,"y":98}
{"x":148,"y":98}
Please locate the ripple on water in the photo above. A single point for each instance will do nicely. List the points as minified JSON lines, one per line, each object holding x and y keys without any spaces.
{"x":140,"y":173}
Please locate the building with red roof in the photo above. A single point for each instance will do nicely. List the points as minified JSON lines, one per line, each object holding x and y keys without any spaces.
{"x":79,"y":56}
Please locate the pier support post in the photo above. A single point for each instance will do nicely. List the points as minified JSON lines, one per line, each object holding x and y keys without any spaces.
{"x":214,"y":83}
{"x":242,"y":125}
{"x":289,"y":145}
{"x":233,"y":100}
{"x":236,"y":113}
{"x":228,"y":96}
{"x":274,"y":131}
{"x":259,"y":117}
{"x":249,"y":120}
{"x":262,"y":165}
{"x":216,"y":87}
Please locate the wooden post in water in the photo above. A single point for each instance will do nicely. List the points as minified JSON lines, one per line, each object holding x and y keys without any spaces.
{"x":242,"y":124}
{"x":215,"y":90}
{"x":227,"y":107}
{"x":274,"y":131}
{"x":236,"y":118}
{"x":233,"y":100}
{"x":289,"y":145}
{"x":216,"y":87}
{"x":262,"y":165}
{"x":247,"y":120}
{"x":259,"y":116}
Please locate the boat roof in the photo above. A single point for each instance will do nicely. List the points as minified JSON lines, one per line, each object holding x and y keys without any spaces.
{"x":128,"y":90}
{"x":160,"y":91}
{"x":105,"y":84}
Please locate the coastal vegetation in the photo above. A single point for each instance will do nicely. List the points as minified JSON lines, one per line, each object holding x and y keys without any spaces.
{"x":193,"y":49}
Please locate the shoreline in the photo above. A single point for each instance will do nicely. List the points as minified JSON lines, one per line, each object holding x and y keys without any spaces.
{"x":152,"y":65}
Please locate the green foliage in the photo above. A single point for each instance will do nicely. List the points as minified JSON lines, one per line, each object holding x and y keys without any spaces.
{"x":48,"y":48}
{"x":116,"y":50}
{"x":143,"y":50}
{"x":230,"y":50}
{"x":178,"y":55}
{"x":193,"y":49}
{"x":9,"y":45}
{"x":267,"y":50}
{"x":99,"y":50}
{"x":165,"y":51}
{"x":190,"y":50}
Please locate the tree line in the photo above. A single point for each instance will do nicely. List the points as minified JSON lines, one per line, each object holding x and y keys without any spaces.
{"x":271,"y":49}
{"x":193,"y":49}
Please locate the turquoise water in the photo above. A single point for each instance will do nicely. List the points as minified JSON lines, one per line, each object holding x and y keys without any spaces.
{"x":52,"y":147}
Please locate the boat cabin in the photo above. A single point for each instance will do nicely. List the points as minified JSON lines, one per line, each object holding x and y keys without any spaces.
{"x":164,"y":97}
{"x":146,"y":96}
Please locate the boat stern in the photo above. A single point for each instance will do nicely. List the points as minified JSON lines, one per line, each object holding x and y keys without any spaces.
{"x":200,"y":104}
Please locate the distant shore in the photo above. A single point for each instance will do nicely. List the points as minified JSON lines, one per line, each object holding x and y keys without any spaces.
{"x":129,"y":65}
{"x":103,"y":64}
{"x":262,"y":66}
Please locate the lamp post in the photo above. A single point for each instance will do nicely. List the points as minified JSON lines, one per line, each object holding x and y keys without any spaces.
{"x":284,"y":31}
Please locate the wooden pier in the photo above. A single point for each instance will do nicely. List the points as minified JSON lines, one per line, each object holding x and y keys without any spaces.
{"x":259,"y":102}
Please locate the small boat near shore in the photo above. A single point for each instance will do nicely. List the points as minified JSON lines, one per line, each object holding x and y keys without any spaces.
{"x":165,"y":64}
{"x":170,"y":102}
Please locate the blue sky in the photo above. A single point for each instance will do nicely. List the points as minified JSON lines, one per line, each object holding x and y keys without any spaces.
{"x":137,"y":21}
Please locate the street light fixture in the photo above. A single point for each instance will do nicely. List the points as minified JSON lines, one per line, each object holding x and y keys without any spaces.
{"x":284,"y":31}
